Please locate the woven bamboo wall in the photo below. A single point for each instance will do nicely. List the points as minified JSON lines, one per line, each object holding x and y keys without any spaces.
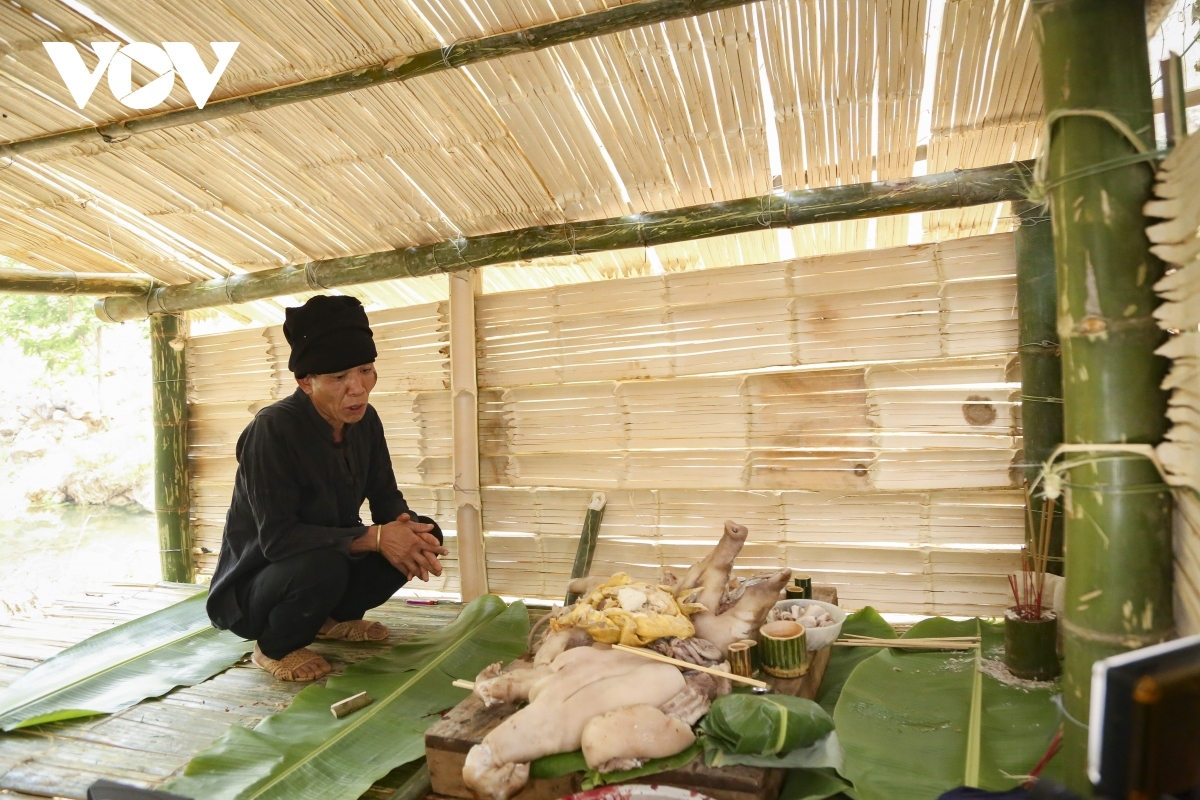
{"x":1177,"y":241}
{"x":856,"y":411}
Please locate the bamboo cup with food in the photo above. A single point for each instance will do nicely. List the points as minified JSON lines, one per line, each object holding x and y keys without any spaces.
{"x":784,"y":649}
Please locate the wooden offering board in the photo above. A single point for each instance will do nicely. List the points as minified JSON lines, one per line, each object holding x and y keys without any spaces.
{"x":447,"y":743}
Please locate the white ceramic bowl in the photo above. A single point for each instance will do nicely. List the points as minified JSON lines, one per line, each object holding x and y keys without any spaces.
{"x":819,"y":637}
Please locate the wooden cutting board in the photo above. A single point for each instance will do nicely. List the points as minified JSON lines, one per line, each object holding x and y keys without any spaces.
{"x":447,"y":743}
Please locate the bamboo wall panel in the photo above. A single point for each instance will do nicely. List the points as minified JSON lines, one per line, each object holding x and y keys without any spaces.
{"x":912,"y":302}
{"x":891,"y":480}
{"x":681,"y":395}
{"x":1176,"y":240}
{"x":887,"y":549}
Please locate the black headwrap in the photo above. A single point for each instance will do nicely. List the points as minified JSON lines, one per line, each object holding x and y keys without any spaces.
{"x":329,"y":333}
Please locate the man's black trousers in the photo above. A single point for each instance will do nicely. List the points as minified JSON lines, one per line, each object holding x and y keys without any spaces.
{"x":285,"y":604}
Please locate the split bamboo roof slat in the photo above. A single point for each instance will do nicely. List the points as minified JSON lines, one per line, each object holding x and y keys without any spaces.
{"x":652,"y":118}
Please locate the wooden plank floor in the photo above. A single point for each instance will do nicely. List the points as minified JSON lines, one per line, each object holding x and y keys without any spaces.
{"x":147,"y":744}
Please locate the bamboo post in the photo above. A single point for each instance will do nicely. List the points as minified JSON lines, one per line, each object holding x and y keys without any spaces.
{"x":171,"y":496}
{"x":587,"y":541}
{"x":402,"y":68}
{"x":958,"y":189}
{"x":464,"y":393}
{"x":1118,"y":511}
{"x":28,"y":281}
{"x":1041,"y":358}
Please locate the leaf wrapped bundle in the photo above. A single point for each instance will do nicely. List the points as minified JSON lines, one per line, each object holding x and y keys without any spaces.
{"x":765,"y":725}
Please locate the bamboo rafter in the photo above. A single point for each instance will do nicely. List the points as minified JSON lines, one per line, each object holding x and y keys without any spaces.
{"x":459,"y":54}
{"x":957,"y":189}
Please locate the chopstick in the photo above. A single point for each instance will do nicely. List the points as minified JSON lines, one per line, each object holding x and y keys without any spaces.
{"x":653,"y":656}
{"x":948,"y":643}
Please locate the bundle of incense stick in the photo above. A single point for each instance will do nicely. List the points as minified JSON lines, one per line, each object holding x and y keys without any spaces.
{"x":1029,"y":590}
{"x":934,"y":643}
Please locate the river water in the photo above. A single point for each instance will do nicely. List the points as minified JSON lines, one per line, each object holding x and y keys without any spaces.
{"x":51,"y":552}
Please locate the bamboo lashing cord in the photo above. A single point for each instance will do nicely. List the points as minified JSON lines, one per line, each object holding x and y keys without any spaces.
{"x":653,"y":656}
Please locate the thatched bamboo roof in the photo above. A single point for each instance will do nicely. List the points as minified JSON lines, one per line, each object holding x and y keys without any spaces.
{"x":784,"y":93}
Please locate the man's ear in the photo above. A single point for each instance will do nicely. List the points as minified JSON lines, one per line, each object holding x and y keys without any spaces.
{"x":305,"y":383}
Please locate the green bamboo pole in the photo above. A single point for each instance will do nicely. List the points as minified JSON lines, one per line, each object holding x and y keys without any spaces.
{"x":970,"y":187}
{"x":1118,"y":526}
{"x":21,"y":281}
{"x":1041,"y":358}
{"x":459,"y":54}
{"x":171,"y":496}
{"x":587,"y":541}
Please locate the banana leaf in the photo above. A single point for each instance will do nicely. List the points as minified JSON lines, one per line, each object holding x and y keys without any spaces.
{"x":843,"y":660}
{"x":917,"y":723}
{"x":812,"y":784}
{"x":652,"y":767}
{"x":304,"y":753}
{"x":558,"y":764}
{"x":113,"y":670}
{"x":824,"y":753}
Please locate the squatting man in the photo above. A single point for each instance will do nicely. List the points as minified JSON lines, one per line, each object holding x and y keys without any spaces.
{"x":296,"y":563}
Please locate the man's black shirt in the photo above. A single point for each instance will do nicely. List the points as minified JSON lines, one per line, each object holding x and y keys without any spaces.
{"x":296,"y":491}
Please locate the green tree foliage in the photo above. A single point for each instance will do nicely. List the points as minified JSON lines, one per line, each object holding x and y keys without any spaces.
{"x":60,"y":331}
{"x":54,"y":329}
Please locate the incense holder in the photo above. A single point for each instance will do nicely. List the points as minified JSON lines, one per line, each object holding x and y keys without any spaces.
{"x":1031,"y":646}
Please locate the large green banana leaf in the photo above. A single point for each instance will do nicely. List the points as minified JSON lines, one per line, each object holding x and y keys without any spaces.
{"x":303,"y":753}
{"x":113,"y":670}
{"x":915,"y":724}
{"x":843,"y":660}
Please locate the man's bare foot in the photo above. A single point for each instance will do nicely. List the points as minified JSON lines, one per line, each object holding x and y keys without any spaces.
{"x":301,"y":665}
{"x":354,"y":630}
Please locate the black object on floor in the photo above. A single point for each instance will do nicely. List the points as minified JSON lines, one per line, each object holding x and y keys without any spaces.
{"x":110,"y":790}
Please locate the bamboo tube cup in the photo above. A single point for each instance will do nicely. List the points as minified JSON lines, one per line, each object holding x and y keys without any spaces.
{"x":784,"y":649}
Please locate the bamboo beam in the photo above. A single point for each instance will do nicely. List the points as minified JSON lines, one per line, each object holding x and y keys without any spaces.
{"x":171,"y":494}
{"x":1041,"y":359}
{"x":1118,"y":525}
{"x":401,"y":68}
{"x":464,"y":410}
{"x":22,"y":281}
{"x":937,"y":192}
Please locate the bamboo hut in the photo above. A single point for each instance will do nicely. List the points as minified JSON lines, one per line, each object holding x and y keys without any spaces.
{"x":789,"y":262}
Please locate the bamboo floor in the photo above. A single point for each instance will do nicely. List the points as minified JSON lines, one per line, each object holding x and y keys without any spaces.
{"x":153,"y":741}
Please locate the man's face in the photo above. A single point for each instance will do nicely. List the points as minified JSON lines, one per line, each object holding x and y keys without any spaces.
{"x":341,"y":397}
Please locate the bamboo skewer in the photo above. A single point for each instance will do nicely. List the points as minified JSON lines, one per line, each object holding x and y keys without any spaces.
{"x":653,"y":656}
{"x":464,"y":684}
{"x":946,"y":643}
